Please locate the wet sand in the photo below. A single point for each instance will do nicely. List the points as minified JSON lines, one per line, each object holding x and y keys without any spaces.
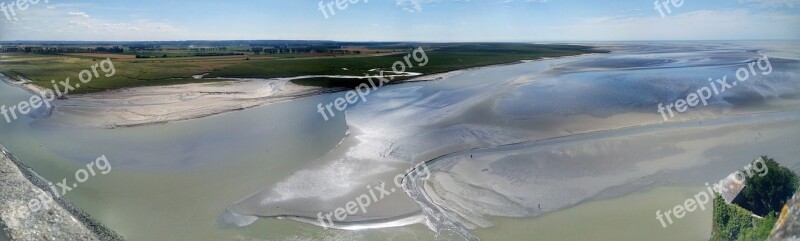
{"x":552,"y":133}
{"x":164,"y":104}
{"x":533,"y":178}
{"x":150,"y":105}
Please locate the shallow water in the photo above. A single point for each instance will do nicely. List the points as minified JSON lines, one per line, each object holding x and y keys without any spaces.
{"x":409,"y":124}
{"x":605,"y":220}
{"x":198,"y":179}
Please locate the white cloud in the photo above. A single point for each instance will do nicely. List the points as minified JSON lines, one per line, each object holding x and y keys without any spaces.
{"x":527,"y":1}
{"x":415,"y":6}
{"x":41,"y":23}
{"x":773,"y":3}
{"x":412,"y":6}
{"x":82,"y":14}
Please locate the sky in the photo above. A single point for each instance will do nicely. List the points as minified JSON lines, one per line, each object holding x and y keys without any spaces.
{"x":400,"y":20}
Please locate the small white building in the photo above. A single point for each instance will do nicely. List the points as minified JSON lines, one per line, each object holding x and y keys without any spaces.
{"x":733,"y":186}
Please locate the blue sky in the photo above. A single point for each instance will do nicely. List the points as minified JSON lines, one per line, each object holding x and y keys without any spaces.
{"x":403,"y":20}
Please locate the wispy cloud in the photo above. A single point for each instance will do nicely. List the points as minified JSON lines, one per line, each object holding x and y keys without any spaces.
{"x":773,"y":3}
{"x":81,"y":14}
{"x":43,"y":23}
{"x":527,"y":1}
{"x":412,"y":6}
{"x":415,"y":6}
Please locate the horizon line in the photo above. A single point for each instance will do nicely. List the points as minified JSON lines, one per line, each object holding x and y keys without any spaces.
{"x":403,"y":41}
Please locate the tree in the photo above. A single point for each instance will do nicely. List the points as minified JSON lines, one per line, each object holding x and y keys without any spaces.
{"x":764,"y":195}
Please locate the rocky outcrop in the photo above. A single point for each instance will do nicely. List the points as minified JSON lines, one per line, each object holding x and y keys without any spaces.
{"x":28,"y":211}
{"x":788,"y":226}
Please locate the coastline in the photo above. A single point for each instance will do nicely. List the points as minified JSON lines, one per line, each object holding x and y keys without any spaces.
{"x":152,"y":105}
{"x":23,"y":83}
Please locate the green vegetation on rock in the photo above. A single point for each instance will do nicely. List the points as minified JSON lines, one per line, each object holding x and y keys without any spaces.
{"x":763,"y":196}
{"x":766,"y":195}
{"x":732,"y":222}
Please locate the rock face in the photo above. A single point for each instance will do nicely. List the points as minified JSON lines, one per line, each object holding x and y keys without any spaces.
{"x":27,"y":212}
{"x":788,"y":226}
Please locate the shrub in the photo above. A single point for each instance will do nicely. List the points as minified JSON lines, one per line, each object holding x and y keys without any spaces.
{"x":729,"y":220}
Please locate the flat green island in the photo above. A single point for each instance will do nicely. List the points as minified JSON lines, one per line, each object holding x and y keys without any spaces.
{"x":170,"y":63}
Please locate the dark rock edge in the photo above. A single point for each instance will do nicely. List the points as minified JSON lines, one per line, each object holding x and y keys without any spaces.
{"x":98,"y":229}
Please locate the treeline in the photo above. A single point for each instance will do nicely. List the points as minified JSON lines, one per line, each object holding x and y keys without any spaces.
{"x":211,"y":43}
{"x":144,"y":56}
{"x":303,"y":49}
{"x":60,"y":50}
{"x":155,"y":50}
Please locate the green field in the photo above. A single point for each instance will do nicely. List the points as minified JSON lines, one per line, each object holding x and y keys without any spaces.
{"x":131,"y":72}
